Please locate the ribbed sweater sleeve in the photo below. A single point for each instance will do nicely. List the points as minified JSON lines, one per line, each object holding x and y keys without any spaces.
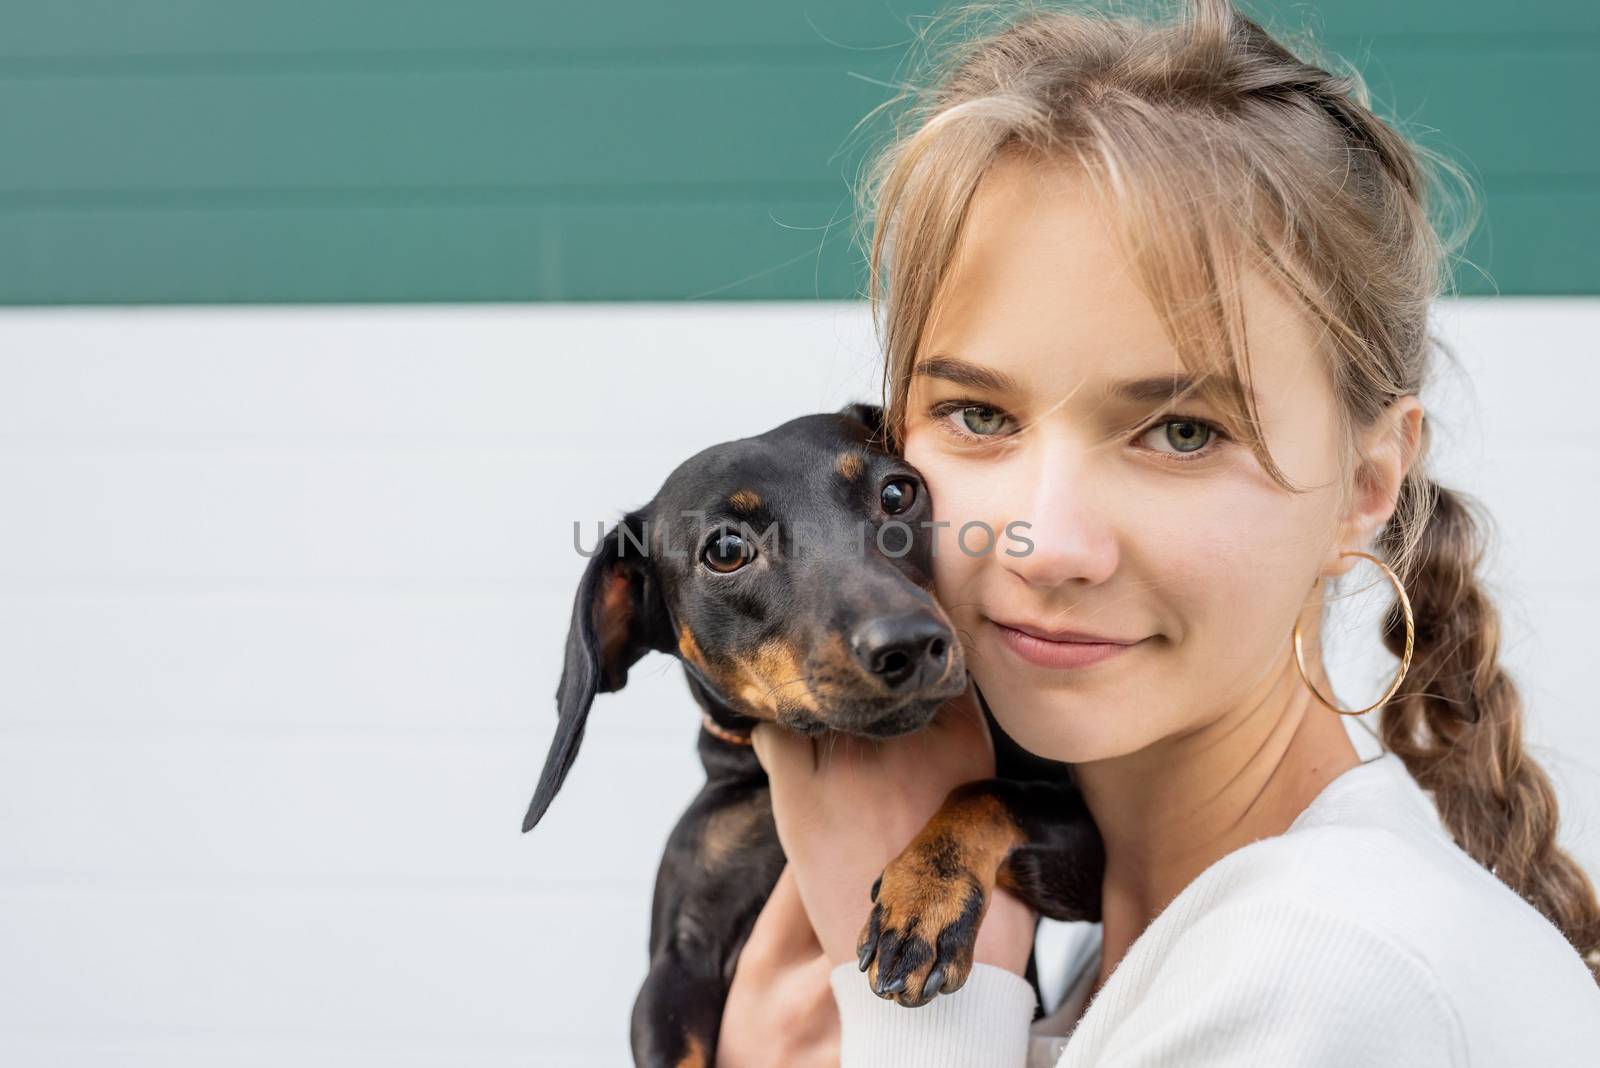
{"x":982,"y":1025}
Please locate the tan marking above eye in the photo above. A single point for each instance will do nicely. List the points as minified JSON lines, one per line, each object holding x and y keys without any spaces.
{"x":849,"y":465}
{"x":745,"y":500}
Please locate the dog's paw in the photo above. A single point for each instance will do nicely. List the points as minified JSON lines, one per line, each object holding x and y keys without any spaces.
{"x":927,"y":906}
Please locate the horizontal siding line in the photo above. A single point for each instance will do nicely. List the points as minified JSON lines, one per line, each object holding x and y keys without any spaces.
{"x":454,"y":60}
{"x":555,"y":443}
{"x":732,"y":55}
{"x":535,"y":295}
{"x":256,"y":585}
{"x":555,"y":194}
{"x":513,"y":587}
{"x":1492,"y":184}
{"x":345,"y":1038}
{"x":236,"y":447}
{"x":674,"y":730}
{"x":644,"y":448}
{"x":522,"y":1049}
{"x":519,"y":1049}
{"x":114,"y":883}
{"x":755,"y":193}
{"x":1494,"y":40}
{"x":159,"y":454}
{"x":525,"y":1049}
{"x":361,"y":315}
{"x":524,"y":590}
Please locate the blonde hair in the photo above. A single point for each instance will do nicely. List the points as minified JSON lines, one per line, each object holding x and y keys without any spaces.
{"x":1224,"y":152}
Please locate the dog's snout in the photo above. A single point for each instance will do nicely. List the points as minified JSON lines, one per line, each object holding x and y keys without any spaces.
{"x":902,"y":651}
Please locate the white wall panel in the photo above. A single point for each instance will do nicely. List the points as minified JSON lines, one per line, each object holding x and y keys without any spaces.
{"x":283,"y":593}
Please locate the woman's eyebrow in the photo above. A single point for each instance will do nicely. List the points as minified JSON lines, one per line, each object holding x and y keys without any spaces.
{"x":1151,"y":389}
{"x":963,"y":373}
{"x":1158,"y":388}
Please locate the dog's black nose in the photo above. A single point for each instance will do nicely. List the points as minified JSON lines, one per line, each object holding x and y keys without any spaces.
{"x":903,"y":651}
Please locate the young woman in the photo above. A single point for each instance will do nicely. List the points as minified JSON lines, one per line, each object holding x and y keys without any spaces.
{"x":1160,"y":291}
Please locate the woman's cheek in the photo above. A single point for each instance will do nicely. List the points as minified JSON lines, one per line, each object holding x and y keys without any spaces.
{"x":954,"y":503}
{"x":956,"y":574}
{"x":1233,"y":595}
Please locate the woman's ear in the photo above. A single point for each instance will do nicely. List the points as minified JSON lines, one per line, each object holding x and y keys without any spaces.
{"x":1388,"y":448}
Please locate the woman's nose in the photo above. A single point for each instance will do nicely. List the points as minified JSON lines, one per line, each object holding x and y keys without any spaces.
{"x":1072,"y":536}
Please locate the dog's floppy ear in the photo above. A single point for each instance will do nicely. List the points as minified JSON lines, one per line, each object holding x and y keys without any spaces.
{"x":618,"y":615}
{"x":871,"y":415}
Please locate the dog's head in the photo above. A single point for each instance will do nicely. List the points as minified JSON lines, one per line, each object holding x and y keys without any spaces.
{"x":792,"y":574}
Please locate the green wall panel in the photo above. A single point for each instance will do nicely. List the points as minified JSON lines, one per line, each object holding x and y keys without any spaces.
{"x":176,"y":151}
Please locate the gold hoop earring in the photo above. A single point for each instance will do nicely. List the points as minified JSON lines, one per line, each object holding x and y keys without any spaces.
{"x":1405,"y":659}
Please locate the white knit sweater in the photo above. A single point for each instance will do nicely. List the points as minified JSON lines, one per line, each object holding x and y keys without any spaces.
{"x":1362,"y":935}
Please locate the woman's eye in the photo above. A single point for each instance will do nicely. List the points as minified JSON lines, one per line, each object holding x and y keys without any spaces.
{"x":1179,"y":436}
{"x":977,"y":420}
{"x":727,"y":552}
{"x":898,"y":495}
{"x":982,"y":421}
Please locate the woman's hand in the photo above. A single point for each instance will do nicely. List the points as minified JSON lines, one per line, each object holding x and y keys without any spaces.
{"x":846,"y":806}
{"x":780,"y":1010}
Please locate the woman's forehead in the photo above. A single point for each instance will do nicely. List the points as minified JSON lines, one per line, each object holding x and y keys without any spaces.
{"x":1041,"y":292}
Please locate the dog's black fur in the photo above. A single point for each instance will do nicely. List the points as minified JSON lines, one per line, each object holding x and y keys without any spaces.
{"x":820,"y":618}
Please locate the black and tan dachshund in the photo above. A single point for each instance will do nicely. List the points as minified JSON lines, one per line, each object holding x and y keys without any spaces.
{"x":791,"y":573}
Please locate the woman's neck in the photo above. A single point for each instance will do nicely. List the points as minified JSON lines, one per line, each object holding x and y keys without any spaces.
{"x":1170,"y":810}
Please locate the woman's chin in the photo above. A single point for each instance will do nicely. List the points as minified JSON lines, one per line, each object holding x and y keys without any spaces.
{"x":1074,"y":727}
{"x":1058,"y":735}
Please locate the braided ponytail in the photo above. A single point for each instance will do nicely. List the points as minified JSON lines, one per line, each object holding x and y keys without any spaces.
{"x":1456,"y":720}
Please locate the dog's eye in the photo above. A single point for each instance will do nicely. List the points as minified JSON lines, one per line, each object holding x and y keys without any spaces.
{"x":898,"y":495}
{"x":727,"y":552}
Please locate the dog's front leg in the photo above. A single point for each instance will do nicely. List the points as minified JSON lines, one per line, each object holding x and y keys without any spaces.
{"x":721,"y":863}
{"x":1035,"y":839}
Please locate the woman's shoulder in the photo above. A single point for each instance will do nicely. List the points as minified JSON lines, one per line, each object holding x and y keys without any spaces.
{"x":1371,"y":850}
{"x":1362,"y":932}
{"x":1369,"y":885}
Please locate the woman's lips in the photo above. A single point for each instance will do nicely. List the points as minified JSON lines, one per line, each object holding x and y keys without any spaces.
{"x":1076,"y":650}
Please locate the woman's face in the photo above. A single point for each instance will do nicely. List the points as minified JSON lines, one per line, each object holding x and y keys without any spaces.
{"x":1169,"y":552}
